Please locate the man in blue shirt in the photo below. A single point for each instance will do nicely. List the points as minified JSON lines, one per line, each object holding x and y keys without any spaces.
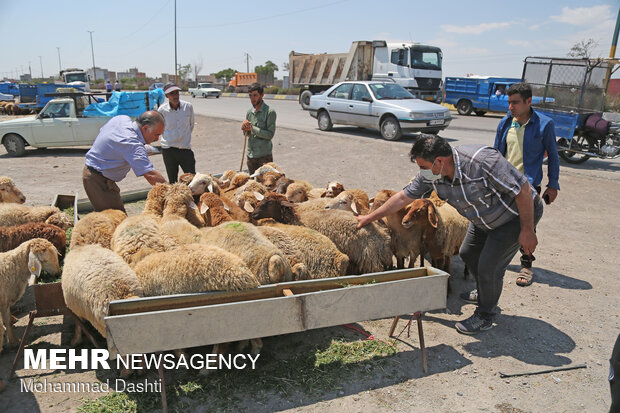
{"x":118,"y":148}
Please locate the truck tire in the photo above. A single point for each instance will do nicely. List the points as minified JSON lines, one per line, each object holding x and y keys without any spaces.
{"x":204,"y":95}
{"x":580,"y":142}
{"x":464,"y":107}
{"x":325,"y":122}
{"x":14,"y":144}
{"x":304,"y":99}
{"x":480,"y":112}
{"x":390,"y":129}
{"x":193,"y":95}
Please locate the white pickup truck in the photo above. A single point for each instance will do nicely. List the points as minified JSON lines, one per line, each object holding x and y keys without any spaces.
{"x":59,"y":124}
{"x":205,"y":90}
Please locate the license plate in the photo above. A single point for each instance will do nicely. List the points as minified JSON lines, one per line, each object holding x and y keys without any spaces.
{"x":436,"y":122}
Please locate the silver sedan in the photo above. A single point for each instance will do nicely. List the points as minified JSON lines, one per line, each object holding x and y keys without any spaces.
{"x":386,"y":107}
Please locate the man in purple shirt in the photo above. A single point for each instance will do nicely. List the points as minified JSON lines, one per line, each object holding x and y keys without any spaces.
{"x":118,"y":148}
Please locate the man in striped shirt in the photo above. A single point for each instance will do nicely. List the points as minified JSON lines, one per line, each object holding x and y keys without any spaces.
{"x":494,"y":196}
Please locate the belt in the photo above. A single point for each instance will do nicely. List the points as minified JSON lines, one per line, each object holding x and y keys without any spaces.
{"x":93,"y":170}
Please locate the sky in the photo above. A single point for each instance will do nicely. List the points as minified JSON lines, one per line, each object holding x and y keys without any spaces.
{"x":477,"y":37}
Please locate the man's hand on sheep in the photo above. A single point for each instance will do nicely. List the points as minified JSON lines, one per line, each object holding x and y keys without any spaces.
{"x":550,"y":195}
{"x":363,"y":220}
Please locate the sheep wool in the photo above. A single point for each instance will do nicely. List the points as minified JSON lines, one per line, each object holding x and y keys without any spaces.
{"x":191,"y":269}
{"x":97,"y":228}
{"x":137,"y":236}
{"x":16,"y":214}
{"x":92,"y":277}
{"x":12,"y":237}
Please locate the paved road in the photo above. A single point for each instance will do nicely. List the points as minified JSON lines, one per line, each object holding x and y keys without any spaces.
{"x":463,"y":130}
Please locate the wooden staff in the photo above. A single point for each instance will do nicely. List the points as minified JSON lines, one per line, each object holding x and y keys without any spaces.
{"x":245,"y":142}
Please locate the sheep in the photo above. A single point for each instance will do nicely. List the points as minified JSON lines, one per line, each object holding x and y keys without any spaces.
{"x":180,"y":203}
{"x":154,"y":205}
{"x":15,"y":214}
{"x":186,"y":178}
{"x":96,"y":228}
{"x":248,"y":201}
{"x":368,"y":248}
{"x":174,"y":223}
{"x":260,"y":255}
{"x":12,"y":237}
{"x":347,"y":201}
{"x":240,"y":179}
{"x":215,"y":210}
{"x":269,"y":180}
{"x":18,"y":268}
{"x":282,"y":184}
{"x":226,"y":178}
{"x":193,"y":268}
{"x":9,"y":191}
{"x":298,"y":191}
{"x":320,"y":255}
{"x":137,"y":237}
{"x":405,"y":242}
{"x":204,"y":183}
{"x":443,"y":230}
{"x":93,"y":276}
{"x":332,"y":190}
{"x":286,"y":244}
{"x":268,"y":167}
{"x":250,"y":186}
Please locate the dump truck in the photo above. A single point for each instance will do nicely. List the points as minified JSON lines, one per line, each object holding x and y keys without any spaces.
{"x":243,"y":81}
{"x":414,"y":66}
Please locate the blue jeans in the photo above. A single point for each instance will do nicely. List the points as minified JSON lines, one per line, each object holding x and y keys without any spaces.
{"x":487,"y":254}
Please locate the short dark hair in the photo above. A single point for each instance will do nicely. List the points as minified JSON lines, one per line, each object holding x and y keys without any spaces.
{"x":257,"y":88}
{"x":150,"y":118}
{"x":429,"y":147}
{"x":523,"y":89}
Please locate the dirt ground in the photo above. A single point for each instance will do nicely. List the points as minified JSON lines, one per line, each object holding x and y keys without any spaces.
{"x":569,"y":316}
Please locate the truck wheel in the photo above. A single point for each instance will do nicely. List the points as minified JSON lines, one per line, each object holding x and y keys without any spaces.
{"x":217,"y":96}
{"x":304,"y":99}
{"x":390,"y":129}
{"x":14,"y":144}
{"x":480,"y":112}
{"x":193,"y":95}
{"x":464,"y":107}
{"x":325,"y":122}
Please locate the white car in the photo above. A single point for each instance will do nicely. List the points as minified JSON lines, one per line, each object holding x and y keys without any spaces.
{"x":57,"y":125}
{"x":384,"y":106}
{"x":205,"y":90}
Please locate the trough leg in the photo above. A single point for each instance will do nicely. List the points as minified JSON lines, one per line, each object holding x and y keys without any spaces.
{"x":422,"y":347}
{"x":393,"y":327}
{"x":23,"y":343}
{"x":164,"y":401}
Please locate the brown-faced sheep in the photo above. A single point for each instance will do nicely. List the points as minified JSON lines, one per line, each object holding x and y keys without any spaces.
{"x":97,"y":228}
{"x":186,"y":178}
{"x":12,"y":237}
{"x":298,"y":191}
{"x":240,"y":179}
{"x":178,"y":205}
{"x":215,"y":210}
{"x":193,"y":268}
{"x":443,"y":230}
{"x":347,"y":201}
{"x":368,"y":248}
{"x":282,"y":184}
{"x":405,"y":242}
{"x":269,"y":180}
{"x":93,"y":276}
{"x":17,"y":267}
{"x":250,"y":186}
{"x":265,"y":260}
{"x":15,"y":214}
{"x":332,"y":190}
{"x":9,"y":191}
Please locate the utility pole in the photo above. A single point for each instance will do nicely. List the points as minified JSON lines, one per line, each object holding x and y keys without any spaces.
{"x":612,"y":52}
{"x":92,"y":49}
{"x":247,"y":62}
{"x":59,"y":63}
{"x":176,"y":65}
{"x":30,"y":70}
{"x":41,"y":62}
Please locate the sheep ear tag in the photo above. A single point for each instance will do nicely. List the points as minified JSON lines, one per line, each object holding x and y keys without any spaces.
{"x":204,"y":208}
{"x":192,"y":205}
{"x":34,"y":266}
{"x":258,"y":196}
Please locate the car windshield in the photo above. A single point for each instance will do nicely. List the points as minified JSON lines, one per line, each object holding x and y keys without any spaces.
{"x":425,"y":58}
{"x":76,"y":77}
{"x":383,"y":91}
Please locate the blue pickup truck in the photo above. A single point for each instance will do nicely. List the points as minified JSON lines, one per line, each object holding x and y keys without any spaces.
{"x":480,"y":94}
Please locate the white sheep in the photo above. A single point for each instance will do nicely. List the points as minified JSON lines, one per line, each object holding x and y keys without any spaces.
{"x":9,"y":191}
{"x":97,"y":228}
{"x":204,"y":183}
{"x":262,"y":257}
{"x":93,"y":276}
{"x":17,"y":267}
{"x":15,"y":214}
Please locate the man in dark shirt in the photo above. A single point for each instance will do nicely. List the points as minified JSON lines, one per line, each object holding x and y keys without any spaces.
{"x":487,"y":190}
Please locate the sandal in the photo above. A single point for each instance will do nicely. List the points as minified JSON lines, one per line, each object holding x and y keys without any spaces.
{"x":525,"y":278}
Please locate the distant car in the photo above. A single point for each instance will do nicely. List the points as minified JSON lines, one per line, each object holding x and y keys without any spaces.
{"x":205,"y":90}
{"x":156,"y":86}
{"x":384,"y":106}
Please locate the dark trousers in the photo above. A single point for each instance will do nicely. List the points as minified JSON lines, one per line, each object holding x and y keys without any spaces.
{"x":487,"y":254}
{"x":102,"y":192}
{"x":175,"y":157}
{"x":526,"y":260}
{"x":255,"y":163}
{"x":614,"y":378}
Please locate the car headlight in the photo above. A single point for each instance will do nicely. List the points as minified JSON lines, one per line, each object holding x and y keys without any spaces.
{"x":414,"y":115}
{"x":446,"y":114}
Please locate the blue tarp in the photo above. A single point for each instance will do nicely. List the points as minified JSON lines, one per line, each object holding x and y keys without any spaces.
{"x":125,"y":103}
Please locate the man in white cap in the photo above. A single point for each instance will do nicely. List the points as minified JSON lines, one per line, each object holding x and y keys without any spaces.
{"x":177,"y":137}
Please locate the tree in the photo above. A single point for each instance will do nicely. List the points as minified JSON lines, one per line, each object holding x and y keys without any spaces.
{"x":183,"y":72}
{"x":267,"y":69}
{"x":286,"y":67}
{"x":197,"y":68}
{"x":583,"y":48}
{"x":226,"y":74}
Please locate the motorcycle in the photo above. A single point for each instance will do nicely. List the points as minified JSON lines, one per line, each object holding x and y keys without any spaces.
{"x":588,"y":143}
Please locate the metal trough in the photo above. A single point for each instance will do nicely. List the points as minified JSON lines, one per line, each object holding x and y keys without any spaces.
{"x":165,"y":323}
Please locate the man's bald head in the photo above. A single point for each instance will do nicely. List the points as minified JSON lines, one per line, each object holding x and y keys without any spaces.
{"x":150,"y":118}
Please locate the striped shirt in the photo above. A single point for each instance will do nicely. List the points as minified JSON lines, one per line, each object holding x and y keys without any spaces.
{"x":484,"y":187}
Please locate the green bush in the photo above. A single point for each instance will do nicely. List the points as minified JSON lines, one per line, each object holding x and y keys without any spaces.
{"x":275,"y":90}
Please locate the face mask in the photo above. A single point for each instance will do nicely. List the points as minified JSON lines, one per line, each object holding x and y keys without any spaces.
{"x":428,"y":174}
